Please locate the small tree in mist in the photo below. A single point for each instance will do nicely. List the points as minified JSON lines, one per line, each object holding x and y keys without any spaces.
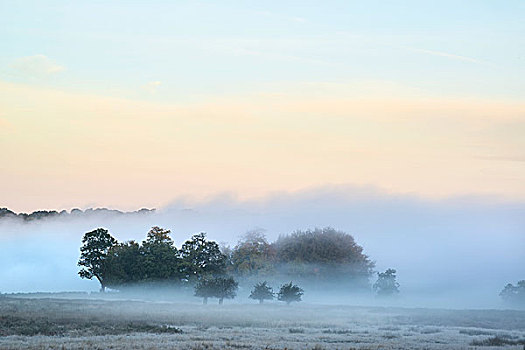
{"x":225,"y":288}
{"x":93,"y":255}
{"x":290,"y":292}
{"x":386,"y":284}
{"x":204,"y":290}
{"x":261,"y":291}
{"x":514,"y":294}
{"x":218,"y":287}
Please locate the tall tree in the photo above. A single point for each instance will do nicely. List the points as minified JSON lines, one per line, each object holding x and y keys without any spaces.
{"x":201,"y":257}
{"x":261,"y":291}
{"x":160,"y":256}
{"x":289,"y":293}
{"x":253,"y":255}
{"x":125,"y":265}
{"x":93,"y":255}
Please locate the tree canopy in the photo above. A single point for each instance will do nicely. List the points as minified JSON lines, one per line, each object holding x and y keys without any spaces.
{"x":313,"y":255}
{"x":253,"y":255}
{"x":159,"y":256}
{"x":324,"y":254}
{"x":125,"y":265}
{"x":200,"y":257}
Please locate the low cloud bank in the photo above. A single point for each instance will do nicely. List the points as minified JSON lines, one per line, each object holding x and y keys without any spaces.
{"x":458,"y":252}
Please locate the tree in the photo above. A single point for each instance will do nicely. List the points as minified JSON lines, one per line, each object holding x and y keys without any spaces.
{"x":217,"y":287}
{"x":289,"y":292}
{"x":226,"y":288}
{"x":261,"y":291}
{"x":160,"y":257}
{"x":204,"y":290}
{"x":93,"y":255}
{"x":201,"y":257}
{"x":514,"y":294}
{"x":386,"y":284}
{"x":227,"y":251}
{"x":252,"y":255}
{"x":324,"y":254}
{"x":125,"y":265}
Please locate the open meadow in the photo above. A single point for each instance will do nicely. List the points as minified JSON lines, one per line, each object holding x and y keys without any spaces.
{"x":40,"y":322}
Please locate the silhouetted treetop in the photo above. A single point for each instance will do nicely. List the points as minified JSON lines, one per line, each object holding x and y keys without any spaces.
{"x":5,"y":213}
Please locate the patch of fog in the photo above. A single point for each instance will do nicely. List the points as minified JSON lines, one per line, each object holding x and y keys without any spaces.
{"x":457,"y":252}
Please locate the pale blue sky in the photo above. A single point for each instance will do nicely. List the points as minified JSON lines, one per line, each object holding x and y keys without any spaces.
{"x":441,"y":47}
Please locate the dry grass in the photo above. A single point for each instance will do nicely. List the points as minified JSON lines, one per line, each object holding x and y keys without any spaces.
{"x":43,"y":323}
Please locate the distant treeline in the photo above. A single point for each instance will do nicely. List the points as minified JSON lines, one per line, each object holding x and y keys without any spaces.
{"x":5,"y":213}
{"x":313,"y":255}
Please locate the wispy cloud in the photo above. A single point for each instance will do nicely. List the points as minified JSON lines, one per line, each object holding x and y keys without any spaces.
{"x":446,"y":54}
{"x":37,"y":66}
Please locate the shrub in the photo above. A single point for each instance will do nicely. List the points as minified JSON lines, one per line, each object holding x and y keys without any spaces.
{"x":261,"y":291}
{"x":289,"y":293}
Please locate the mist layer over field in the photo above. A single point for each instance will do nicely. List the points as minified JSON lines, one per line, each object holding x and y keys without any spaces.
{"x":454,"y":253}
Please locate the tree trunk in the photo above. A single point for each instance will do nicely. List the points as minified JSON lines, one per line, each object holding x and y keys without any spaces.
{"x":220,"y":301}
{"x":205,"y":300}
{"x":288,"y":302}
{"x":102,"y":286}
{"x":260,"y":301}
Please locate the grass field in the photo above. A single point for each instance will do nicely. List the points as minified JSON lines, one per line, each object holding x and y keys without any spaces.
{"x":65,"y":323}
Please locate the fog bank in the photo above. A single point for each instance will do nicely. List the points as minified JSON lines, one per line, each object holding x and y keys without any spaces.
{"x":458,"y":252}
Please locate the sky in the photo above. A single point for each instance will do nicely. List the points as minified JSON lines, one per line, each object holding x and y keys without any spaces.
{"x":131,"y":104}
